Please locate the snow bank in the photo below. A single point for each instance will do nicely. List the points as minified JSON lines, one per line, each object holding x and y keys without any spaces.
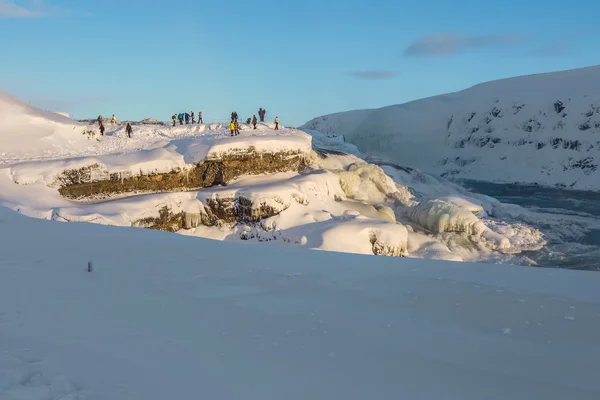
{"x":440,"y":216}
{"x":144,"y":162}
{"x":470,"y":204}
{"x":368,"y":182}
{"x":423,"y":246}
{"x":25,"y":130}
{"x":361,"y":235}
{"x":175,"y":155}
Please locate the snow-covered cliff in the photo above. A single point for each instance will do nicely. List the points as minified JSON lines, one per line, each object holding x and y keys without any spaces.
{"x":264,"y":185}
{"x":541,"y":129}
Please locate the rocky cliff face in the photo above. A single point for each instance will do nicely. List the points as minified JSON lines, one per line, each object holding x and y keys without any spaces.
{"x":95,"y":182}
{"x":541,"y":129}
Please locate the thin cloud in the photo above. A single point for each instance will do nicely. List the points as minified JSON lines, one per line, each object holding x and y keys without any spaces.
{"x":30,"y":9}
{"x":552,"y":51}
{"x":448,"y":44}
{"x":9,"y":9}
{"x":374,"y":74}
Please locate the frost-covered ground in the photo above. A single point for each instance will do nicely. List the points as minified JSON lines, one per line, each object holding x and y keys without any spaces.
{"x":542,"y":129}
{"x":168,"y":317}
{"x":335,"y":202}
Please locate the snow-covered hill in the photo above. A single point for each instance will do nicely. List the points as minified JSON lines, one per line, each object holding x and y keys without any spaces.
{"x":542,"y":129}
{"x":34,"y":132}
{"x":263,"y":186}
{"x":168,"y":317}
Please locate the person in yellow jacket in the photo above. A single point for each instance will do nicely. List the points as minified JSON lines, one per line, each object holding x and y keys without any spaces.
{"x":237,"y":128}
{"x":174,"y":118}
{"x":232,"y":127}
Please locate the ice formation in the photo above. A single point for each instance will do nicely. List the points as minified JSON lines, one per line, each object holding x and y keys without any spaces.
{"x":369,"y":183}
{"x":440,"y":216}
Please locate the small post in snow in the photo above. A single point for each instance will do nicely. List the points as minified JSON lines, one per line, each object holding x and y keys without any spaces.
{"x":90,"y":267}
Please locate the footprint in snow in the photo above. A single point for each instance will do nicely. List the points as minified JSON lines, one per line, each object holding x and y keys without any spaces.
{"x":570,"y":318}
{"x":506,"y":331}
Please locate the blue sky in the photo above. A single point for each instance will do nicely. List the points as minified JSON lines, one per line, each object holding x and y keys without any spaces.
{"x":298,"y":59}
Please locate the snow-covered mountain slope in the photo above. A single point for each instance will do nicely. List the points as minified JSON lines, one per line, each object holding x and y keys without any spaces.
{"x":28,"y":130}
{"x":167,"y":317}
{"x":542,"y":129}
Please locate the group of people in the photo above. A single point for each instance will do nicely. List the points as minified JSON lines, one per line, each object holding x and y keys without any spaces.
{"x":234,"y":125}
{"x":187,"y":117}
{"x":113,"y":121}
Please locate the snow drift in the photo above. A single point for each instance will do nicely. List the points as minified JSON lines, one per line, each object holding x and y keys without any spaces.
{"x":25,"y":129}
{"x":542,"y":129}
{"x":439,"y":216}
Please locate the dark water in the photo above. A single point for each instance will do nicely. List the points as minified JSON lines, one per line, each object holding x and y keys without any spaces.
{"x":572,"y":252}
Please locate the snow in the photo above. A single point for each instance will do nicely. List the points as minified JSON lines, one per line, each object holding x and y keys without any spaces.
{"x":534,"y":129}
{"x":470,"y":204}
{"x":339,"y":202}
{"x":174,"y":155}
{"x":28,"y":134}
{"x":440,"y":216}
{"x":170,"y":317}
{"x":369,"y":183}
{"x":43,"y":131}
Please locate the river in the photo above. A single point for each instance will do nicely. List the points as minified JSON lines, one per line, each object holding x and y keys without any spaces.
{"x":573,"y":251}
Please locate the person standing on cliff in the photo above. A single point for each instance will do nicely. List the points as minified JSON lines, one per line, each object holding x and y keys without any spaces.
{"x":237,"y":128}
{"x":276,"y":123}
{"x":232,"y":127}
{"x":129,"y":130}
{"x":200,"y":120}
{"x":254,"y":121}
{"x":193,"y":118}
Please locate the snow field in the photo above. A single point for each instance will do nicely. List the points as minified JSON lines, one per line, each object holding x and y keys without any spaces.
{"x":164,"y":316}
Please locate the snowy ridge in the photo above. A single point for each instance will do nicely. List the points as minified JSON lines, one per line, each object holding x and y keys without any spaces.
{"x":43,"y":131}
{"x":542,"y":129}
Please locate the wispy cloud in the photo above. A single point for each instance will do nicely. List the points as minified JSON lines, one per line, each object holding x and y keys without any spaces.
{"x":30,"y":9}
{"x":9,"y":9}
{"x":552,"y":51}
{"x":448,"y":44}
{"x":373,"y":74}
